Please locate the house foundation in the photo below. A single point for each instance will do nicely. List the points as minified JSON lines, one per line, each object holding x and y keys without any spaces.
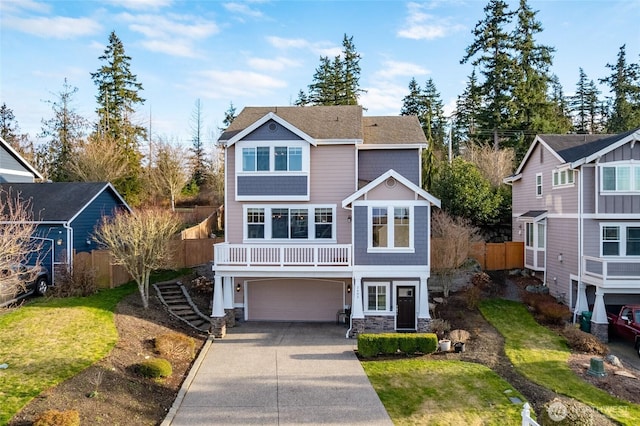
{"x":601,"y":331}
{"x":424,"y":325}
{"x":230,"y":316}
{"x":357,"y":327}
{"x":218,"y":327}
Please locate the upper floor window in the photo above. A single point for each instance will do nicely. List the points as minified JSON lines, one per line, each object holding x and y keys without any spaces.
{"x":563,"y":177}
{"x":620,"y":240}
{"x":624,"y":177}
{"x":538,"y":184}
{"x":391,"y":227}
{"x":289,"y":223}
{"x":269,"y":158}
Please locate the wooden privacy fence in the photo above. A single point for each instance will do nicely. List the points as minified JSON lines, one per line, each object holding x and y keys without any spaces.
{"x":186,"y":254}
{"x":490,"y":256}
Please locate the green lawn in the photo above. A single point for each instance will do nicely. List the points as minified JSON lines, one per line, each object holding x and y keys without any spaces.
{"x":47,"y":341}
{"x":541,"y":356}
{"x":423,"y":391}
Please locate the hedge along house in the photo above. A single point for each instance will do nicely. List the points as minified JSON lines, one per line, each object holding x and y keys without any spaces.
{"x":67,"y":214}
{"x":324,"y":216}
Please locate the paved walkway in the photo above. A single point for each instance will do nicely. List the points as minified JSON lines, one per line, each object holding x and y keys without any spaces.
{"x":278,"y":374}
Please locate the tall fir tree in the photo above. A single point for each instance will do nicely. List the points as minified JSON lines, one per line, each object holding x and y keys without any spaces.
{"x":118,"y":95}
{"x":337,"y":81}
{"x":624,"y":85}
{"x":465,"y":124}
{"x":64,"y":131}
{"x":584,"y":105}
{"x":427,"y":105}
{"x":229,"y":116}
{"x":198,"y":158}
{"x":491,"y":53}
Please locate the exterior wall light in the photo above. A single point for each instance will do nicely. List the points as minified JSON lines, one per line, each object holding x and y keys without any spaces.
{"x":238,"y":287}
{"x":348,"y":288}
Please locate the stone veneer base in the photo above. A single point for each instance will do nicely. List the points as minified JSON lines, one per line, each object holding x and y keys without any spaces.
{"x":219,"y":327}
{"x":601,"y":331}
{"x":230,"y":315}
{"x":357,"y":327}
{"x":424,"y":325}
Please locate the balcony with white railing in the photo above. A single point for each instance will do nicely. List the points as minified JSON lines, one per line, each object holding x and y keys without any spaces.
{"x":618,"y":272}
{"x":281,"y":255}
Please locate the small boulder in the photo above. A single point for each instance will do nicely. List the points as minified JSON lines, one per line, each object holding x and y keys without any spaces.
{"x":613,"y":360}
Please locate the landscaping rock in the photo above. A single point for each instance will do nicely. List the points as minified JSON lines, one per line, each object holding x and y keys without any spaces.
{"x":537,"y":289}
{"x":624,"y":373}
{"x":613,"y":360}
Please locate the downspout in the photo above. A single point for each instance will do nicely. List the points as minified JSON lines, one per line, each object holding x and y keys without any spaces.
{"x":353,"y":292}
{"x":69,"y":244}
{"x":580,"y":230}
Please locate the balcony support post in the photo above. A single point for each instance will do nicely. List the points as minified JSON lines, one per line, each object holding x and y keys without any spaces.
{"x":599,"y":321}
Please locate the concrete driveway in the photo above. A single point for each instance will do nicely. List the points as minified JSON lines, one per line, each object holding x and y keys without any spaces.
{"x":278,"y":374}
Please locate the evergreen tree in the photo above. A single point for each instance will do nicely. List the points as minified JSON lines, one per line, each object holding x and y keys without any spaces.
{"x":198,"y":158}
{"x":491,"y":52}
{"x":64,"y":131}
{"x":412,"y":103}
{"x":466,"y":116}
{"x":335,"y":82}
{"x":229,"y":116}
{"x":584,"y":105}
{"x":560,"y":110}
{"x":10,"y":132}
{"x":118,"y":96}
{"x":624,"y":84}
{"x":428,"y":107}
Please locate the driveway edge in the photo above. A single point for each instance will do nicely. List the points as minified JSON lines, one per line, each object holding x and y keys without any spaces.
{"x":187,"y":382}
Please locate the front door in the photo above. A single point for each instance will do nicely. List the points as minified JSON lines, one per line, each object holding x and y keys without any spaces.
{"x":406,"y":308}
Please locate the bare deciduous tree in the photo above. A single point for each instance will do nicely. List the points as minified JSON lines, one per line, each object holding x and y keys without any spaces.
{"x":16,"y":242}
{"x":169,"y":174}
{"x":450,"y":248}
{"x":139,"y":241}
{"x":494,"y":165}
{"x":99,"y":159}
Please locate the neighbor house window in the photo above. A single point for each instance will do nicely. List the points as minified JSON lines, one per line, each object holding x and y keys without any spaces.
{"x":391,"y":227}
{"x":299,"y":223}
{"x":378,"y":297}
{"x":633,"y":241}
{"x":620,"y":178}
{"x":324,"y":223}
{"x":610,"y":240}
{"x":272,"y":158}
{"x":288,"y":158}
{"x":539,"y":185}
{"x":620,"y":239}
{"x":255,"y":159}
{"x":534,"y":234}
{"x":563,"y":177}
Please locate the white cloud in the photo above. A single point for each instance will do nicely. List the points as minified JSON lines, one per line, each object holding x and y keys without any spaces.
{"x":278,"y":64}
{"x":423,"y":26}
{"x":243,"y":9}
{"x":234,"y":84}
{"x":383,"y":99}
{"x":172,"y":34}
{"x":392,"y":69}
{"x":59,"y":27}
{"x":12,"y":6}
{"x":318,"y":48}
{"x":141,"y":4}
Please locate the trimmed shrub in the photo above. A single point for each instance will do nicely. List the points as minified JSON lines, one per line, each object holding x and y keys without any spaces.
{"x":370,"y":345}
{"x":175,"y":346}
{"x":58,"y":418}
{"x":580,"y":341}
{"x":155,"y":368}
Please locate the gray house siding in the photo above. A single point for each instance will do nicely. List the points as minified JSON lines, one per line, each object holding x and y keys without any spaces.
{"x":9,"y":163}
{"x":625,"y":204}
{"x":84,"y":225}
{"x":272,"y":185}
{"x":11,"y":178}
{"x":271,"y":131}
{"x":373,"y":163}
{"x":562,"y":239}
{"x":361,"y":232}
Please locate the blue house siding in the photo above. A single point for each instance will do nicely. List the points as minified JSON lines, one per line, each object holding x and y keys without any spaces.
{"x":272,"y":185}
{"x":361,"y":232}
{"x":51,"y":236}
{"x":271,"y":131}
{"x":84,"y":225}
{"x":373,"y":163}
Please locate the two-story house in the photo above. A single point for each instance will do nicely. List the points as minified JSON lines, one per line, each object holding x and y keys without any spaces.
{"x":576,"y":207}
{"x":324,"y":214}
{"x":13,"y":167}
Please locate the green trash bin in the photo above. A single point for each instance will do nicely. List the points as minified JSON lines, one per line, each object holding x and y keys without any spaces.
{"x":585,"y":321}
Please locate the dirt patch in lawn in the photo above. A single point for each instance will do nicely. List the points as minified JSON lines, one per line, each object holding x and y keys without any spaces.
{"x":121,"y":397}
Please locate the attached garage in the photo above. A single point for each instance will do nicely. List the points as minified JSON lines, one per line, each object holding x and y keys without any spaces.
{"x":294,"y":300}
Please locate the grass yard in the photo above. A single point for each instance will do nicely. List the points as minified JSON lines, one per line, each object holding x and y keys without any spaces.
{"x":541,"y":356}
{"x":423,"y":391}
{"x":47,"y":341}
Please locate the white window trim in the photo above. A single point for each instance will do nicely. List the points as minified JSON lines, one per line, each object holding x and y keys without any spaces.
{"x":632,"y":164}
{"x":557,"y":174}
{"x":304,"y":145}
{"x":311,"y":210}
{"x":390,"y":229}
{"x":622,"y":241}
{"x":388,"y":305}
{"x":538,"y":195}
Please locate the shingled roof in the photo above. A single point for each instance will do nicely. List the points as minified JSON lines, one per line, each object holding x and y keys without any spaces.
{"x":344,"y":122}
{"x":57,"y":201}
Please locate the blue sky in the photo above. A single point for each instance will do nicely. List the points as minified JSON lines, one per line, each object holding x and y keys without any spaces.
{"x":261,"y":52}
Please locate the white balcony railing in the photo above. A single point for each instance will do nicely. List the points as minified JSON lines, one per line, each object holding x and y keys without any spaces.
{"x":611,"y":269}
{"x":282,"y":255}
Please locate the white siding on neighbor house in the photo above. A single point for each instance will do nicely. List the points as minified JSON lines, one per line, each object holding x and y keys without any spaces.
{"x":294,"y":300}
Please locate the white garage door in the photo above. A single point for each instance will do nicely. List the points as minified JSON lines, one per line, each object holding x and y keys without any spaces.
{"x":294,"y":300}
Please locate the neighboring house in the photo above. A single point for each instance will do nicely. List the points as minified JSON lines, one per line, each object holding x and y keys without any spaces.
{"x":14,"y":168}
{"x":67,"y":214}
{"x":324,"y":217}
{"x":576,"y":206}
